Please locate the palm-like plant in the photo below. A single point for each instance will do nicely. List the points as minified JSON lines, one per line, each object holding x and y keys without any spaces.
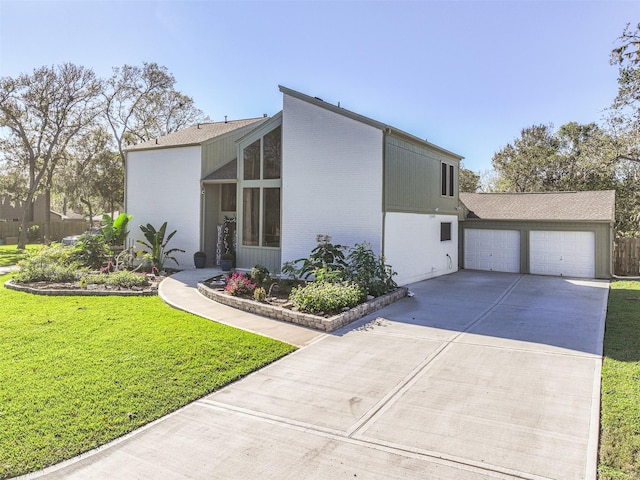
{"x":156,"y":245}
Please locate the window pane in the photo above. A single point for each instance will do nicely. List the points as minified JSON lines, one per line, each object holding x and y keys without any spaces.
{"x":272,"y":156}
{"x":250,"y":216}
{"x":251,"y":156}
{"x":228,"y":193}
{"x":445,"y":231}
{"x":271,"y":223}
{"x":451,"y":171}
{"x":444,"y":179}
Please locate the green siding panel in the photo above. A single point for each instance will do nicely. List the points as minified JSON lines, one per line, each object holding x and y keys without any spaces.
{"x":412,"y":178}
{"x":221,"y":150}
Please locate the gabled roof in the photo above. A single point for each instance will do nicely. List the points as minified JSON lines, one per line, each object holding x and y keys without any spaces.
{"x":362,"y":119}
{"x":226,"y":172}
{"x":195,"y":135}
{"x":596,"y":206}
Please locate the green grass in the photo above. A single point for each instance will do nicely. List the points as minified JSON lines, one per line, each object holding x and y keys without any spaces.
{"x":10,"y":254}
{"x":620,"y":410}
{"x":76,"y":372}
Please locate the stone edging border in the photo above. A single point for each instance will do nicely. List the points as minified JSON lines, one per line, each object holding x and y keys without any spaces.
{"x":52,"y":292}
{"x":305,"y":319}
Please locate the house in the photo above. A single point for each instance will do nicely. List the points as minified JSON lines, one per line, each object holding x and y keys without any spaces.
{"x":549,"y":233}
{"x":12,"y":211}
{"x":312,"y":168}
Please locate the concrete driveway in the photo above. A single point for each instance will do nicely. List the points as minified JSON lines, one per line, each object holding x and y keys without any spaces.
{"x":477,"y":376}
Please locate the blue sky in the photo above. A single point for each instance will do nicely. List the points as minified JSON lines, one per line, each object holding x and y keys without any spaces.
{"x":466,"y":75}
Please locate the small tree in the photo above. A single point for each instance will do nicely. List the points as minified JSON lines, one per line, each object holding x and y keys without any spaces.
{"x":156,"y":245}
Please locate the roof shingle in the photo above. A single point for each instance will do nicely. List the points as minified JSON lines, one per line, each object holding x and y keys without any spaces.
{"x":598,"y":206}
{"x":194,"y":135}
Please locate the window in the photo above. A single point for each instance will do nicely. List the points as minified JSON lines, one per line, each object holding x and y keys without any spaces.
{"x":447,"y":178}
{"x":261,"y":209}
{"x":271,"y":157}
{"x":228,"y":194}
{"x":251,"y":155}
{"x":250,"y":216}
{"x":271,"y":217}
{"x":445,"y":231}
{"x":443,"y":178}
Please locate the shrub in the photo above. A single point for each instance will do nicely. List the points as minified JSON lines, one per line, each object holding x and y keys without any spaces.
{"x":91,"y":251}
{"x":259,"y":294}
{"x":325,"y":255}
{"x":33,"y":233}
{"x":260,"y":274}
{"x":325,"y":297}
{"x":48,"y":264}
{"x":370,"y":272}
{"x":124,"y":279}
{"x":239,"y":284}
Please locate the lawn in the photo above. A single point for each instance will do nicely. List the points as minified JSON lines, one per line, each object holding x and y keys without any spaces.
{"x":76,"y":372}
{"x":620,"y":414}
{"x":10,"y":255}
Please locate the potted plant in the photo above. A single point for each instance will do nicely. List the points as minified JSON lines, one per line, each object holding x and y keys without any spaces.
{"x":200,"y":259}
{"x":226,"y":261}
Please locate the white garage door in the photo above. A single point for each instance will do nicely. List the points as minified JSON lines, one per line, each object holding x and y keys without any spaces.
{"x":495,"y":250}
{"x":568,"y":254}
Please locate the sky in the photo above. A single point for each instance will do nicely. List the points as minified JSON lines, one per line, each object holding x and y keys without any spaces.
{"x":465,"y":75}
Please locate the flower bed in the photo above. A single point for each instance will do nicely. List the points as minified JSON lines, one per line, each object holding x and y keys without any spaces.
{"x":287,"y":314}
{"x":92,"y":289}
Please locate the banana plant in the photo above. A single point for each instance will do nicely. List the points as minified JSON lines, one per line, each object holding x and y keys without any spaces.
{"x":156,"y":245}
{"x":115,"y":231}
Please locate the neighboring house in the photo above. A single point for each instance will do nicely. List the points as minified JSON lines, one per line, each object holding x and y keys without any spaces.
{"x":313,"y":168}
{"x":557,"y":233}
{"x":12,"y":211}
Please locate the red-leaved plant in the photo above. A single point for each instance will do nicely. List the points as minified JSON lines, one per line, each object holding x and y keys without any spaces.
{"x":238,"y":284}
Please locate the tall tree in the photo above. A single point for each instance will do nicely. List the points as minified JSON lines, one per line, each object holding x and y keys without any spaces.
{"x":91,"y":177}
{"x":42,"y":112}
{"x":468,"y":180}
{"x":142,"y":103}
{"x":526,"y":165}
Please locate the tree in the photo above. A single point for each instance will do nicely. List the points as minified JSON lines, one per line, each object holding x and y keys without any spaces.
{"x":575,"y":158}
{"x":527,"y":164}
{"x":41,"y":114}
{"x":141,"y":103}
{"x":91,"y":175}
{"x":468,"y":180}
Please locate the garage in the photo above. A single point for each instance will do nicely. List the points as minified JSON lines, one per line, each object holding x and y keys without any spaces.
{"x":565,"y":234}
{"x":492,"y":250}
{"x":562,"y":254}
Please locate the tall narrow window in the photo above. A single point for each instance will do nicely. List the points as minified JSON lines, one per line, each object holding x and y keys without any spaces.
{"x":250,"y":216}
{"x":451,"y":176}
{"x":251,"y":155}
{"x":444,"y":179}
{"x":271,"y":145}
{"x":271,"y":218}
{"x":447,"y":179}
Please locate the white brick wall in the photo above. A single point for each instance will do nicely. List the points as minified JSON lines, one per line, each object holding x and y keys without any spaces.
{"x":413,"y":247}
{"x":331,"y":178}
{"x":164,"y":185}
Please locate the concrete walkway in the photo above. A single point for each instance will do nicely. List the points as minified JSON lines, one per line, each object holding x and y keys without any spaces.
{"x":180,"y":291}
{"x":478,"y":376}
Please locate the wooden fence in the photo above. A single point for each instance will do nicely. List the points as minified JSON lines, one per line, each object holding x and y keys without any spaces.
{"x":627,"y":256}
{"x":9,"y":231}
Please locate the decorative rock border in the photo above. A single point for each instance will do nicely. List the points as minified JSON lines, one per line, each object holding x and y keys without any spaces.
{"x":53,"y":292}
{"x":306,"y":319}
